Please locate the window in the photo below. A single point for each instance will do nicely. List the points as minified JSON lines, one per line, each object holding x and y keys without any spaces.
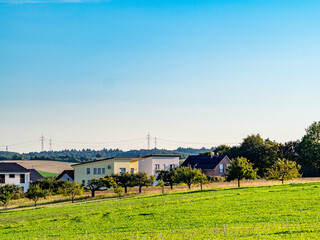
{"x":109,"y":166}
{"x":22,"y":178}
{"x":11,"y":175}
{"x":94,"y":171}
{"x":221,"y":168}
{"x":2,"y":178}
{"x":157,"y":166}
{"x":99,"y":170}
{"x":83,"y":182}
{"x":122,"y":170}
{"x":132,"y":170}
{"x":88,"y":170}
{"x":103,"y":171}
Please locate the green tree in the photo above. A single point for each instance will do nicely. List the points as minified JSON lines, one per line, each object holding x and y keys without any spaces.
{"x":35,"y":192}
{"x":161,"y":184}
{"x":142,"y":179}
{"x":239,"y":169}
{"x":72,"y":190}
{"x":124,"y":180}
{"x":187,"y":175}
{"x":284,"y":170}
{"x":201,"y":178}
{"x":168,"y":176}
{"x":95,"y":185}
{"x":313,"y":131}
{"x":118,"y":190}
{"x":6,"y":192}
{"x":222,"y":149}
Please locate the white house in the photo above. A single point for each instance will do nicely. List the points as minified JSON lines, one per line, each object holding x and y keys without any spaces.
{"x":13,"y":173}
{"x":150,"y":164}
{"x":66,"y":175}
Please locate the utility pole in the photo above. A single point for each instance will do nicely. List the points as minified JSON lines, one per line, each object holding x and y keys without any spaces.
{"x":50,"y":143}
{"x":42,"y":142}
{"x":155,"y":142}
{"x":148,"y":138}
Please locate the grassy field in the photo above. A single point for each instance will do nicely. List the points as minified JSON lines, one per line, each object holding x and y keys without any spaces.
{"x":267,"y":212}
{"x":48,"y":174}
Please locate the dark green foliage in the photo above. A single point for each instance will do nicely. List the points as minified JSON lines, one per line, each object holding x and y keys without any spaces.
{"x":284,"y":170}
{"x":142,"y":179}
{"x":71,"y":189}
{"x":35,"y":192}
{"x":168,"y":176}
{"x":188,"y":175}
{"x":6,"y":192}
{"x":124,"y":180}
{"x":50,"y":184}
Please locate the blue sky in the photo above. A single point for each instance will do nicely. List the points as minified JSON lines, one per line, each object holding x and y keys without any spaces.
{"x":191,"y":71}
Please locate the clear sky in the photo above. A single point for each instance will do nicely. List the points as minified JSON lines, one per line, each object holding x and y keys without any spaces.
{"x":194,"y":72}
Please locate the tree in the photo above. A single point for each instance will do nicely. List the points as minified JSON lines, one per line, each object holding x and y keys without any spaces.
{"x":168,"y":176}
{"x":118,"y":190}
{"x":6,"y":193}
{"x":239,"y":169}
{"x":284,"y":170}
{"x":72,"y":190}
{"x":201,"y":178}
{"x":222,"y":149}
{"x":35,"y":192}
{"x":187,"y":175}
{"x":313,"y":131}
{"x":161,"y":184}
{"x":124,"y":180}
{"x":95,"y":185}
{"x":142,"y":179}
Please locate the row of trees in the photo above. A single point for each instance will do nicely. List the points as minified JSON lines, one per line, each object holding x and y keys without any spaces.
{"x":264,"y":153}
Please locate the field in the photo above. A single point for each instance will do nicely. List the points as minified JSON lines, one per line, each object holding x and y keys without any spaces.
{"x":45,"y":166}
{"x":48,"y":174}
{"x":267,"y":212}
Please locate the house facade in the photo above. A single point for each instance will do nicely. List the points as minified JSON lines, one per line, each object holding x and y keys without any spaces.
{"x":85,"y":172}
{"x":13,"y":173}
{"x":150,"y":164}
{"x":66,"y":175}
{"x":211,"y":165}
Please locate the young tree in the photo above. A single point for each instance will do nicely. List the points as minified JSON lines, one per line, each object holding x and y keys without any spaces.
{"x":72,"y":190}
{"x":200,"y":178}
{"x":118,"y":190}
{"x":124,"y":180}
{"x":240,"y":168}
{"x":35,"y":192}
{"x":284,"y":170}
{"x":161,"y":184}
{"x":6,"y":192}
{"x":95,"y":185}
{"x":187,"y":175}
{"x":142,"y":179}
{"x":168,"y":176}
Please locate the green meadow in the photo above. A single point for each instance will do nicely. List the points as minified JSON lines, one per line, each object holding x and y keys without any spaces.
{"x":270,"y":212}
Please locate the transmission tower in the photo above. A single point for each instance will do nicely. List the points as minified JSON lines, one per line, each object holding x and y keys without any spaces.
{"x":148,"y":138}
{"x":42,"y":142}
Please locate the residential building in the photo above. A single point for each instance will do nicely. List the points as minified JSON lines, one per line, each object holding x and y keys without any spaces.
{"x":35,"y":175}
{"x":66,"y":175}
{"x":211,"y":165}
{"x":13,"y":173}
{"x":150,"y":164}
{"x":85,"y":172}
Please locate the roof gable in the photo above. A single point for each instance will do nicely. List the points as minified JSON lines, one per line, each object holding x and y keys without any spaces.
{"x":6,"y":167}
{"x":70,"y":173}
{"x":203,"y":161}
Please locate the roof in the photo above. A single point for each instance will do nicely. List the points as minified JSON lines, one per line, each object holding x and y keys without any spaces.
{"x":106,"y":159}
{"x":203,"y":161}
{"x":35,"y":175}
{"x":6,"y":167}
{"x":70,"y":173}
{"x":162,"y":155}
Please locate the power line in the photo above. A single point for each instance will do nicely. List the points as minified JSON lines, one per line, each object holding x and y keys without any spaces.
{"x":120,"y":141}
{"x":207,"y":143}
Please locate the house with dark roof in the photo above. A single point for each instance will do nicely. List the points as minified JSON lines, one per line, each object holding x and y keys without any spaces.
{"x":66,"y":175}
{"x":35,"y":175}
{"x":211,"y":165}
{"x":13,"y":173}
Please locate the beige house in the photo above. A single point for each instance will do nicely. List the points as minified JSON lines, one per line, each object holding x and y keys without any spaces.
{"x":84,"y":172}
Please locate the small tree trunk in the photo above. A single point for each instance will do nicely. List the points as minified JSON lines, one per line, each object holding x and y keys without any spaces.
{"x":238,"y":182}
{"x":189,"y":185}
{"x":201,"y":186}
{"x":72,"y":200}
{"x":282,"y":180}
{"x":93,"y":193}
{"x":125,"y":189}
{"x":140,"y":189}
{"x":162,"y":189}
{"x":171,"y":186}
{"x":35,"y":203}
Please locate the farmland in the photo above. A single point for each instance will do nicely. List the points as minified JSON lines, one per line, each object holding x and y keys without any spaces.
{"x":267,"y":212}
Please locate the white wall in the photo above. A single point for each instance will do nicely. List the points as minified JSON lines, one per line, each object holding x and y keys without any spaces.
{"x":148,"y":165}
{"x":66,"y":177}
{"x":16,"y":180}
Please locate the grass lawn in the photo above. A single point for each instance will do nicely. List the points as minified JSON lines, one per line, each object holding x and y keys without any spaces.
{"x":48,"y":174}
{"x":268,"y":212}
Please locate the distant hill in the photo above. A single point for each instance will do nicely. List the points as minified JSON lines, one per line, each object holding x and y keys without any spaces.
{"x":84,"y":155}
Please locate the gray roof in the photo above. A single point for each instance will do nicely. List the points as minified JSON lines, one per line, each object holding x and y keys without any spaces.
{"x":6,"y":167}
{"x":203,"y":161}
{"x":35,"y":175}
